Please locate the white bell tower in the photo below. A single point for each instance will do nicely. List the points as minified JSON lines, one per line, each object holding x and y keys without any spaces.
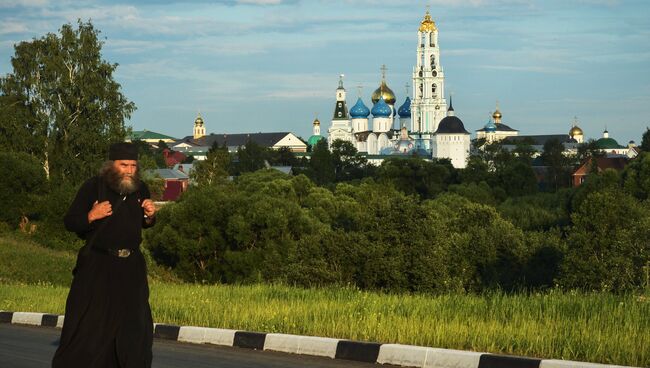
{"x":341,"y":127}
{"x":429,"y":105}
{"x":199,"y":127}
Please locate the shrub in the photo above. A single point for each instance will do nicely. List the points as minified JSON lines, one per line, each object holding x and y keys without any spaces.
{"x":608,"y":244}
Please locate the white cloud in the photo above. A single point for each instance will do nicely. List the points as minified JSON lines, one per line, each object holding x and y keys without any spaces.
{"x":96,"y":13}
{"x":243,"y":85}
{"x":23,"y":3}
{"x":9,"y":26}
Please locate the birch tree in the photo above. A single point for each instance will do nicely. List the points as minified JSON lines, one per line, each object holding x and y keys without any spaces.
{"x":76,"y":108}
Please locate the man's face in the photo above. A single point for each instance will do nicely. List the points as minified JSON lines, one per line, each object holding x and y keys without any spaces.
{"x":126,"y":168}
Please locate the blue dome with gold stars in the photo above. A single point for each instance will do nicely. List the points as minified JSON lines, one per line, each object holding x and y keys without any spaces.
{"x":359,"y":110}
{"x":381,"y":109}
{"x":405,"y":110}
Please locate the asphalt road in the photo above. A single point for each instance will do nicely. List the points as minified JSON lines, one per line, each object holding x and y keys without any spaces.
{"x":33,"y":347}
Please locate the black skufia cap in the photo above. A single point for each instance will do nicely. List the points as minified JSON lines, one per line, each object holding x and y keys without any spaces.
{"x":123,"y":151}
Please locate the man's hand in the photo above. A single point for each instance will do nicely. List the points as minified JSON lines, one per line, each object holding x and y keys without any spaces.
{"x":99,"y":211}
{"x":149,"y":208}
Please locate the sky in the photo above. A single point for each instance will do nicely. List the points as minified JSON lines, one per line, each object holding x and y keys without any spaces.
{"x":274,"y":65}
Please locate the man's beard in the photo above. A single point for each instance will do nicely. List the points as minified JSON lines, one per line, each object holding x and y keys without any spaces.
{"x":122,"y":184}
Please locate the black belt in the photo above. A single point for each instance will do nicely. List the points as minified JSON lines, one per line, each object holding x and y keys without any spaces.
{"x":122,"y":253}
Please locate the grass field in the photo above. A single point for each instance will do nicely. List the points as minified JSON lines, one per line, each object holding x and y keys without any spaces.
{"x":595,"y":327}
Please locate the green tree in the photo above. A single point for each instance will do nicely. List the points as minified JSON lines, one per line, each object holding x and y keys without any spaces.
{"x":22,"y":180}
{"x":587,"y":150}
{"x":77,"y":108}
{"x":18,"y":128}
{"x":414,"y":175}
{"x":636,"y":176}
{"x":645,"y":141}
{"x":609,"y":243}
{"x":524,"y":150}
{"x":282,"y":157}
{"x":321,"y":164}
{"x":518,"y":179}
{"x":348,"y":163}
{"x":477,"y":171}
{"x":609,"y":179}
{"x":500,"y":168}
{"x":559,"y":168}
{"x":215,"y":167}
{"x":251,"y":157}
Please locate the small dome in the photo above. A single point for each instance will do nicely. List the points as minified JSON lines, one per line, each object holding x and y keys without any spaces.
{"x":384,"y":92}
{"x":198,"y":120}
{"x":490,"y":127}
{"x":405,"y":110}
{"x":451,"y":125}
{"x":575,"y":131}
{"x":381,"y":109}
{"x":314,"y":139}
{"x":316,"y":121}
{"x":497,"y":114}
{"x":359,"y":110}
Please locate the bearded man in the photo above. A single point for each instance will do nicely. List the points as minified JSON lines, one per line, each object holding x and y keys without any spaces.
{"x":107,"y":315}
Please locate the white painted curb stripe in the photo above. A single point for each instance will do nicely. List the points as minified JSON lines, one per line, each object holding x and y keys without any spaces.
{"x":404,"y":355}
{"x":296,"y":344}
{"x":448,"y":358}
{"x":570,"y":364}
{"x":319,"y":346}
{"x":219,"y":336}
{"x":282,"y":342}
{"x":59,"y":322}
{"x":419,"y":356}
{"x":192,"y":334}
{"x":27,"y":318}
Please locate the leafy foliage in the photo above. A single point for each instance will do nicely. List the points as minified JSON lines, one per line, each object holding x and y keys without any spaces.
{"x":645,"y":141}
{"x":214,"y":168}
{"x":22,"y":180}
{"x":72,"y":107}
{"x":609,"y":243}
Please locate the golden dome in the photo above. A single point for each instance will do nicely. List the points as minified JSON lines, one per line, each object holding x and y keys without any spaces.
{"x":427,"y":25}
{"x":575,"y":131}
{"x":199,"y":120}
{"x":497,"y":114}
{"x":385,"y":92}
{"x":316,"y":121}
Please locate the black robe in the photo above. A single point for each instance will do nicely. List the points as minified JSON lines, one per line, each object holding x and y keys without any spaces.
{"x":107,"y":315}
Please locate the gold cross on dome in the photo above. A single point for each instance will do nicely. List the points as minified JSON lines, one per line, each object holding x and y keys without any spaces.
{"x":383,"y":71}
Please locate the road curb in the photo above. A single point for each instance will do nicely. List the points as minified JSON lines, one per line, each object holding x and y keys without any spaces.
{"x":394,"y":354}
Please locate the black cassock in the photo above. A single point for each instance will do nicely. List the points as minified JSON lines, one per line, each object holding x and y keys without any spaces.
{"x":107,"y":314}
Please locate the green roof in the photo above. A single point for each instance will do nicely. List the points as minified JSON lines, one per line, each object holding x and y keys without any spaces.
{"x":607,"y":143}
{"x":147,"y":134}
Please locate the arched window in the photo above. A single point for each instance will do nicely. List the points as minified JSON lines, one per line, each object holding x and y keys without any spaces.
{"x":433,"y":61}
{"x":433,"y":88}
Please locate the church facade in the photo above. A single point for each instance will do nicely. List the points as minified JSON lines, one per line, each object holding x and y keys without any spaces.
{"x":415,"y":128}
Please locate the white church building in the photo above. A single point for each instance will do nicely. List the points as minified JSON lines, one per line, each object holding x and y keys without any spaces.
{"x":425,"y":126}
